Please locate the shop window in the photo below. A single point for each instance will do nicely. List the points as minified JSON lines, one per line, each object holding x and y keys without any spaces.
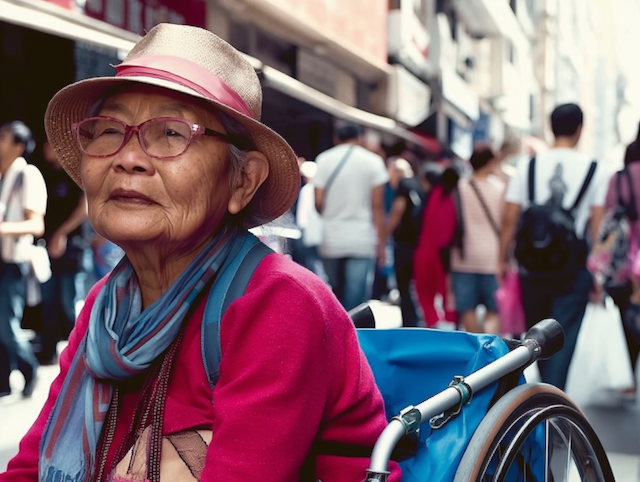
{"x":278,"y":53}
{"x":446,"y":7}
{"x":240,"y":37}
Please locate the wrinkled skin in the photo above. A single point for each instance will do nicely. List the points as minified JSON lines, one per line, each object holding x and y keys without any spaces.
{"x":162,"y":212}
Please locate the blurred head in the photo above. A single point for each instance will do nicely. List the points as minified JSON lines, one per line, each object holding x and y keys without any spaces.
{"x":482,"y":157}
{"x":347,"y":132}
{"x":172,"y":147}
{"x":449,"y":179}
{"x":566,"y":120}
{"x":16,"y":140}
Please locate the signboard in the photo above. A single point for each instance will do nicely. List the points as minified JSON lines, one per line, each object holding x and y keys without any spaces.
{"x":409,"y":97}
{"x":360,"y":24}
{"x":140,"y":16}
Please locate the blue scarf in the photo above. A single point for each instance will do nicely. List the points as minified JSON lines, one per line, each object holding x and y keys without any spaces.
{"x":122,"y":341}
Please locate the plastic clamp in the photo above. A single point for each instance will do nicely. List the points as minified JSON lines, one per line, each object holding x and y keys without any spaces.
{"x":466,"y":394}
{"x":410,"y":418}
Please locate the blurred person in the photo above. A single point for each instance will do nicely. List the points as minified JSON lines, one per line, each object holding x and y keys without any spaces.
{"x":23,"y":202}
{"x":560,"y":175}
{"x":431,"y":260}
{"x":473,"y":264}
{"x":307,"y":219}
{"x":349,"y":196}
{"x":403,"y":225}
{"x":179,"y":195}
{"x":66,"y":211}
{"x":622,"y":296}
{"x":398,"y":169}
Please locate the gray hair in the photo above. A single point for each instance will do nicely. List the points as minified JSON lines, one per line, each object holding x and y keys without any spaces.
{"x":237,"y":157}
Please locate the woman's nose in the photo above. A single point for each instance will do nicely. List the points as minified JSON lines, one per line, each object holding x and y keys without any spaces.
{"x":132,"y":157}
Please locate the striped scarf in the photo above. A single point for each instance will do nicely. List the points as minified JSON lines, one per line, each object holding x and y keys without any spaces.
{"x":122,"y":341}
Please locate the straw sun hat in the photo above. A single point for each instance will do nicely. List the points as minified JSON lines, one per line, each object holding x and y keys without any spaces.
{"x":196,"y":62}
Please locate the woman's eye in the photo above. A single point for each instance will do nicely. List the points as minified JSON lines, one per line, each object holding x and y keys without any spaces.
{"x":172,"y":133}
{"x":101,"y":131}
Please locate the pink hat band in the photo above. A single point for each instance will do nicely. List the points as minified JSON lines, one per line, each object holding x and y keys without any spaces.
{"x":198,"y":79}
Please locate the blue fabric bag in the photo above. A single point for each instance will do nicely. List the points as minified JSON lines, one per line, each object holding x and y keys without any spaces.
{"x":413,"y":364}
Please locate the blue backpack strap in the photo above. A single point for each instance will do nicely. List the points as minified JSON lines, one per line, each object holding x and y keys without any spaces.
{"x":230,"y":284}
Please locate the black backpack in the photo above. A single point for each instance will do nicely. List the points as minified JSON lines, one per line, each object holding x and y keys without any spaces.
{"x":546,"y":240}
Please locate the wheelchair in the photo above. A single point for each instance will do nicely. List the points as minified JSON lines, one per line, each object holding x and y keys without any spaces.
{"x":489,"y":425}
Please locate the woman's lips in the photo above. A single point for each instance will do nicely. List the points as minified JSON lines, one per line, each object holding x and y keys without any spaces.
{"x":130,"y":197}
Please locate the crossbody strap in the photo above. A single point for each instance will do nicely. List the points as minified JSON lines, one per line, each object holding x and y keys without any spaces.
{"x":485,"y":208}
{"x":532,"y":180}
{"x":583,"y":189}
{"x":630,"y":206}
{"x":335,"y":172}
{"x":16,"y":185}
{"x":585,"y":184}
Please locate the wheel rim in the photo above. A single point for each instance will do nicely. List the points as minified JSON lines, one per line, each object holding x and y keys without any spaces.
{"x":548,"y":441}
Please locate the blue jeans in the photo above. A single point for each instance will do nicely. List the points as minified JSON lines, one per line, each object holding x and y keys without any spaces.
{"x":58,"y":309}
{"x":15,"y":352}
{"x":567,"y":307}
{"x":350,"y":279}
{"x":473,"y":289}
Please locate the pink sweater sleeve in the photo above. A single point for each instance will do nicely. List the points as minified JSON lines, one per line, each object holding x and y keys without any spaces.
{"x":24,"y":466}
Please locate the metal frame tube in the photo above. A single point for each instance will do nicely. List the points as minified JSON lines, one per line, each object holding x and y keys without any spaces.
{"x":447,"y":399}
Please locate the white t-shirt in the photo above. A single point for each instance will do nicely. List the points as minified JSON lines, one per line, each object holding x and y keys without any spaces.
{"x":347,"y":214}
{"x":561,"y":172}
{"x":32,"y":196}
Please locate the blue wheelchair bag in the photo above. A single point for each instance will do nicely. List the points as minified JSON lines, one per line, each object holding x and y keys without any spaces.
{"x":413,"y":364}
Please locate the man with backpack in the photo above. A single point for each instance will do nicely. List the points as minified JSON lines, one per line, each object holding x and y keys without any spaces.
{"x":554,"y":207}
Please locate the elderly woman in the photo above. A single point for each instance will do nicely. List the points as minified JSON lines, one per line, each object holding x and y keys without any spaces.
{"x":176,"y":166}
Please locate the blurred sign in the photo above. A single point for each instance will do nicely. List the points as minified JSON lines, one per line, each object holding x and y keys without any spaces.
{"x":409,"y":97}
{"x":458,"y":92}
{"x":460,"y":140}
{"x":408,"y":38}
{"x":360,"y":25}
{"x":140,"y":16}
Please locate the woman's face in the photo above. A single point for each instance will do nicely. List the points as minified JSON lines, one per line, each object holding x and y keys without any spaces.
{"x":136,"y":198}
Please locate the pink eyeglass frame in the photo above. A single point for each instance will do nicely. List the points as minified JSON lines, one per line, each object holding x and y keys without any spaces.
{"x":195,"y":130}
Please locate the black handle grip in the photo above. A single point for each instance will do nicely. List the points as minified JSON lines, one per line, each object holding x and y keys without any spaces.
{"x":362,"y":316}
{"x":549,"y":334}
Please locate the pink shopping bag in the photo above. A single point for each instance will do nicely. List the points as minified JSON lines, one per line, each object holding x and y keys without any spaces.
{"x":509,"y":301}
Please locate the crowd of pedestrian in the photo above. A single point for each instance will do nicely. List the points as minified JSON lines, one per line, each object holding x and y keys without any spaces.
{"x":45,"y":245}
{"x":458,"y":228}
{"x":437,"y":236}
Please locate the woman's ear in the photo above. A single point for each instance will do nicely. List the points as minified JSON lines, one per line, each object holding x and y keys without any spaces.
{"x":254,"y":172}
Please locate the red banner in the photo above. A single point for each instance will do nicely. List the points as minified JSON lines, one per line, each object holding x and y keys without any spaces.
{"x":140,"y":16}
{"x":68,"y":4}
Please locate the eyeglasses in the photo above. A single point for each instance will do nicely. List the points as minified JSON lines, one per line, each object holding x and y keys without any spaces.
{"x":162,"y":137}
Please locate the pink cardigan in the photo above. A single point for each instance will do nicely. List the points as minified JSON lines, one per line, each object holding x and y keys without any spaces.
{"x":291,"y":368}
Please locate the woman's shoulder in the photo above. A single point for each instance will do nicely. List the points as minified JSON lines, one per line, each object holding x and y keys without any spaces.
{"x":279,"y":269}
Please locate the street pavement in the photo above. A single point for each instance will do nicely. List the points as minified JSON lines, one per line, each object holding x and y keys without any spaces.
{"x":617,"y":425}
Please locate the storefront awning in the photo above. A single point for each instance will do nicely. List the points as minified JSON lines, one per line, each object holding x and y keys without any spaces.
{"x":294,"y":88}
{"x":52,"y":19}
{"x":55,"y":20}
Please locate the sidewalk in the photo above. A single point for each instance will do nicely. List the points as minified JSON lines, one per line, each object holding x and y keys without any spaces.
{"x":618,"y":428}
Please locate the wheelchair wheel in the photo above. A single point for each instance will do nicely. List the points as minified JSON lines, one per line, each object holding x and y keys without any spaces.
{"x":534,"y":433}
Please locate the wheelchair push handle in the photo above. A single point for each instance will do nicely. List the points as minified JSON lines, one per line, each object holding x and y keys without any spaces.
{"x":548,"y":335}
